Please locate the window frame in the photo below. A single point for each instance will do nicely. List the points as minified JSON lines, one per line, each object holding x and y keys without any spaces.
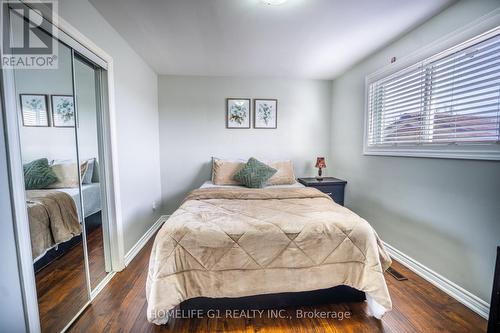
{"x":482,"y":29}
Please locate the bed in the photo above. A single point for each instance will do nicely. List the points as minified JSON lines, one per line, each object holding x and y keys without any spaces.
{"x":53,"y":219}
{"x":44,"y":224}
{"x":230,"y":241}
{"x":91,"y":198}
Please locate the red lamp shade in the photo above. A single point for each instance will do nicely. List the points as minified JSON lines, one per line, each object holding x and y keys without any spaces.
{"x":320,"y":162}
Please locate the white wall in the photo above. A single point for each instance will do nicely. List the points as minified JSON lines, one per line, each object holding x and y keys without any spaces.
{"x":12,"y":317}
{"x":49,"y":142}
{"x":193,"y":127}
{"x":59,"y":142}
{"x":87,"y":111}
{"x":136,"y":102}
{"x":443,"y":213}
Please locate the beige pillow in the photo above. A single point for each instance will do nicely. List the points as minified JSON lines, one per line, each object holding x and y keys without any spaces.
{"x":284,"y":176}
{"x":67,"y":175}
{"x":223,"y":172}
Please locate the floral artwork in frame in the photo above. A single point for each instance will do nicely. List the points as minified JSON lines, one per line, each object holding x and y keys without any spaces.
{"x":265,"y":113}
{"x":238,"y":113}
{"x":63,"y":111}
{"x":34,"y":110}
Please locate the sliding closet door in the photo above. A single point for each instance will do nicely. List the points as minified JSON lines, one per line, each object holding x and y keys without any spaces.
{"x":87,"y":94}
{"x":60,"y":112}
{"x":52,"y":173}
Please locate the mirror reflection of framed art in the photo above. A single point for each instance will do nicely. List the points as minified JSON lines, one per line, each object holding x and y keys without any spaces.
{"x":63,"y":111}
{"x":34,"y":110}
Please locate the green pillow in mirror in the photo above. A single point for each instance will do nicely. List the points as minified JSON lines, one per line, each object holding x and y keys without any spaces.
{"x":254,"y":174}
{"x":38,"y":174}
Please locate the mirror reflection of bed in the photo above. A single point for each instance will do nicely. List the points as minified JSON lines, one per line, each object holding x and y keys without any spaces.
{"x":57,"y":242}
{"x":48,"y":250}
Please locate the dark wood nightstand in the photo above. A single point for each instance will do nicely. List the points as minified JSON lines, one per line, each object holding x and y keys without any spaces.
{"x":334,"y":187}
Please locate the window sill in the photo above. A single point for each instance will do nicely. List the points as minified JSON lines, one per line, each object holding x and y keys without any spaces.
{"x":469,"y":154}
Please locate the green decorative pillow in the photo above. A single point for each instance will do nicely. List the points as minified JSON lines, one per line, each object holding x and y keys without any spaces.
{"x":254,"y":174}
{"x":38,"y":174}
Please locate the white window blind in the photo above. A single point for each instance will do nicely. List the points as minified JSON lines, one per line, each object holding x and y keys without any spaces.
{"x":450,"y":99}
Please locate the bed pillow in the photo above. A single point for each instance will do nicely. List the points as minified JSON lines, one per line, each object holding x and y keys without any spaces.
{"x":95,"y":174}
{"x":67,"y":174}
{"x":254,"y":174}
{"x":223,"y":171}
{"x":87,"y":177}
{"x":38,"y":174}
{"x":284,"y":174}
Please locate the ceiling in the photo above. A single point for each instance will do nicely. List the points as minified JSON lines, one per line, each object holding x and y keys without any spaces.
{"x":316,"y":39}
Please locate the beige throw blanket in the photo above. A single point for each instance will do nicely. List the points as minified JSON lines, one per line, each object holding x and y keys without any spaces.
{"x":241,"y":242}
{"x":53,"y":219}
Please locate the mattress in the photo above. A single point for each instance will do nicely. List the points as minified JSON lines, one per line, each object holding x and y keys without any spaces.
{"x":91,"y":198}
{"x":210,"y":184}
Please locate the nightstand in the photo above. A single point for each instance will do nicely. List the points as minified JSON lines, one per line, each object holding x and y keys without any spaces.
{"x":334,"y":187}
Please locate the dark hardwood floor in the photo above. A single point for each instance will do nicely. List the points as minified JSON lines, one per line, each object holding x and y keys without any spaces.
{"x":96,"y":256}
{"x":417,"y":307}
{"x":61,"y":289}
{"x":61,"y":286}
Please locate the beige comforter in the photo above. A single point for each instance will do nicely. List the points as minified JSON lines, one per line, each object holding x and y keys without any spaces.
{"x":53,"y":219}
{"x":241,"y":242}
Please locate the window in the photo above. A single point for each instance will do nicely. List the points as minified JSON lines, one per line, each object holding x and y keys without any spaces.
{"x":447,"y":105}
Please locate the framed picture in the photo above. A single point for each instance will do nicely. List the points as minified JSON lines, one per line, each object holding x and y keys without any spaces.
{"x":63,"y":111}
{"x":34,"y":110}
{"x":238,"y":113}
{"x":265,"y":113}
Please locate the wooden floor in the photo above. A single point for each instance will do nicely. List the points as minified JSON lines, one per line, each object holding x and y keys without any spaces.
{"x":61,"y":286}
{"x":417,"y":307}
{"x":95,"y":248}
{"x":61,"y":289}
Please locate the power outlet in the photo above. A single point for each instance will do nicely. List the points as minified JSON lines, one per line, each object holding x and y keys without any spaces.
{"x":153,"y":206}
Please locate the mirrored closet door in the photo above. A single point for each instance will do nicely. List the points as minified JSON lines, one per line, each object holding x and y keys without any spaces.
{"x":87,"y":79}
{"x":60,"y":121}
{"x":49,"y":153}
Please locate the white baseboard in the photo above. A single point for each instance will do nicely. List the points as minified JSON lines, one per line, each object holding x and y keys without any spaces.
{"x":468,"y":299}
{"x":101,"y":285}
{"x":144,"y":239}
